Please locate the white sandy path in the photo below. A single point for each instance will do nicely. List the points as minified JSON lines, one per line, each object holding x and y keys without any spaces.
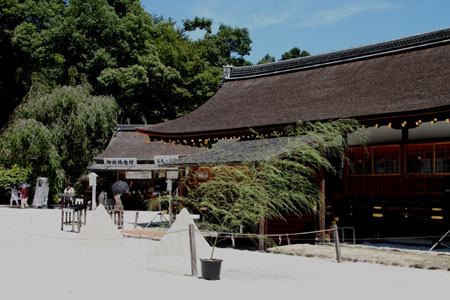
{"x":59,"y":267}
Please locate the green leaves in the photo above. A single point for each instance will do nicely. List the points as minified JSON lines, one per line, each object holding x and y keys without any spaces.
{"x":13,"y":175}
{"x":57,"y":133}
{"x":287,"y":183}
{"x":294,"y":53}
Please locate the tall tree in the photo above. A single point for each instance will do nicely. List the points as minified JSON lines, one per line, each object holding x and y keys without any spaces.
{"x":151,"y":67}
{"x":57,"y":133}
{"x":21,"y":23}
{"x":294,"y":53}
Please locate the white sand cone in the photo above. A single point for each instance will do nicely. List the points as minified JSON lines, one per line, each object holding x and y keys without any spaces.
{"x":172,"y":254}
{"x":100,"y":230}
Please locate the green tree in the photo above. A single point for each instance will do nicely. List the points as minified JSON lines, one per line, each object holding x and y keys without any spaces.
{"x":20,"y":42}
{"x":266,"y":59}
{"x":57,"y":133}
{"x":294,"y":53}
{"x":13,"y":175}
{"x":268,"y":188}
{"x":198,"y":23}
{"x":227,"y":46}
{"x":154,"y":71}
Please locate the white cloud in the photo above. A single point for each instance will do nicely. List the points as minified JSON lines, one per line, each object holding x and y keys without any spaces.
{"x":333,"y":15}
{"x":294,"y":13}
{"x":253,"y":15}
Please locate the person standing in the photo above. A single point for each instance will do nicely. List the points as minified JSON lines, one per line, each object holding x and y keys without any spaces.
{"x":102,"y":198}
{"x":14,"y":195}
{"x":24,"y":197}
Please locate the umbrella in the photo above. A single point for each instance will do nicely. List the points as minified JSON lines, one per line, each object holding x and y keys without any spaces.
{"x":120,"y":187}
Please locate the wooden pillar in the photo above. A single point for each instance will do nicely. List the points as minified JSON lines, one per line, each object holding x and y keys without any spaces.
{"x":193,"y":250}
{"x":402,"y":163}
{"x":322,"y":213}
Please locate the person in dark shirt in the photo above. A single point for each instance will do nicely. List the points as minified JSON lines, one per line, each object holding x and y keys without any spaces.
{"x":24,"y":196}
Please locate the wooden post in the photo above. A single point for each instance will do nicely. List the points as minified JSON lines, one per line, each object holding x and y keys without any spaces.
{"x":62,"y":215}
{"x":136,"y":219}
{"x":193,"y":250}
{"x":336,"y":243}
{"x":262,"y":232}
{"x":322,"y":212}
{"x":79,"y":219}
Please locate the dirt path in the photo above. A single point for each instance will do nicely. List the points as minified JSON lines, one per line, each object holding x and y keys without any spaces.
{"x":386,"y":256}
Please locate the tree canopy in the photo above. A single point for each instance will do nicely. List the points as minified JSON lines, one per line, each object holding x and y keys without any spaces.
{"x":152,"y":68}
{"x":266,"y":59}
{"x":58,"y":57}
{"x":294,"y":53}
{"x":56,"y":133}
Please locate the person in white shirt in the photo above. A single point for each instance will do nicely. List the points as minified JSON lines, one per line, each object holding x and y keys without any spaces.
{"x":69,"y":190}
{"x":14,"y":195}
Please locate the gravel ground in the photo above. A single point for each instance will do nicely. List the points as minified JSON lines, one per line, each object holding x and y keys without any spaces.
{"x":381,"y":255}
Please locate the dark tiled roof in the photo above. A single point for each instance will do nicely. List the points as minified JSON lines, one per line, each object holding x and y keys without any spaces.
{"x":404,"y":44}
{"x":128,"y":143}
{"x":391,"y":82}
{"x":235,"y":151}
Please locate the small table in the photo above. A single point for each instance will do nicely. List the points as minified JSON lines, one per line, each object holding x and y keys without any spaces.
{"x":73,"y":210}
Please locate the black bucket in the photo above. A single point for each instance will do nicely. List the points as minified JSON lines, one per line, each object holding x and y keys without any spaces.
{"x":210,"y":268}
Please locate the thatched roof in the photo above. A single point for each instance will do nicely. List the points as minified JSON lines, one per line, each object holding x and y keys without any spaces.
{"x":404,"y":76}
{"x":235,"y":151}
{"x":126,"y":142}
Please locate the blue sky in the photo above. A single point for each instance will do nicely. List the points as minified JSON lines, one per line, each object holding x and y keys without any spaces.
{"x":318,"y":26}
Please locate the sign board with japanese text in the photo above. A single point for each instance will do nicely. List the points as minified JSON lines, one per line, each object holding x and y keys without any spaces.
{"x":164,"y":159}
{"x":138,"y":174}
{"x":172,"y":174}
{"x":124,"y":162}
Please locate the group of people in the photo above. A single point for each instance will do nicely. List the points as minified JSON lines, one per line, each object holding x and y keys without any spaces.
{"x":21,"y":193}
{"x":17,"y":195}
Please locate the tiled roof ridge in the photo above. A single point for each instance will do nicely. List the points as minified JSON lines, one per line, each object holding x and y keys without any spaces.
{"x":402,"y":44}
{"x":128,"y":127}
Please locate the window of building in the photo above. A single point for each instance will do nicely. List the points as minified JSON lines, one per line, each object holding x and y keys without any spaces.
{"x":419,"y":159}
{"x":386,"y":160}
{"x":360,"y":161}
{"x":442,"y":155}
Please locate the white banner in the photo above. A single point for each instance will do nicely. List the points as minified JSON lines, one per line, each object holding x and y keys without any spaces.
{"x":138,"y":174}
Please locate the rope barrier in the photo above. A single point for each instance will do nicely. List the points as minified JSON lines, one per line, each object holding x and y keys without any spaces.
{"x":233,"y":236}
{"x":27,"y":216}
{"x":53,"y":237}
{"x":288,"y":235}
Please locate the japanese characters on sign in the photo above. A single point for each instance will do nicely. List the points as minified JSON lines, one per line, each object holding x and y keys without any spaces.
{"x":125,"y":162}
{"x":172,"y":174}
{"x":138,"y":175}
{"x":164,"y":159}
